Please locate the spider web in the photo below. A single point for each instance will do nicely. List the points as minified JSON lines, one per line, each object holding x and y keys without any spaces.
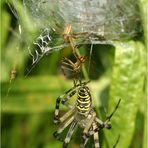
{"x":104,"y":20}
{"x":96,"y":22}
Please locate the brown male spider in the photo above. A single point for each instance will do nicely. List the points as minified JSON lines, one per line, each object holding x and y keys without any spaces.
{"x":67,"y":64}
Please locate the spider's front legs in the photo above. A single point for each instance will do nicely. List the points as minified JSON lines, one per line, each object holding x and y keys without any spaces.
{"x":107,"y":123}
{"x":63,"y":99}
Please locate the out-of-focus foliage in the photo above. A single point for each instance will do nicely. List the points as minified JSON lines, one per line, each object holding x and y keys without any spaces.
{"x":118,"y":71}
{"x":130,"y":56}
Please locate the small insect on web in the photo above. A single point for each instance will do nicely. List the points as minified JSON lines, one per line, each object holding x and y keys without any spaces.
{"x":15,"y":36}
{"x":13,"y":73}
{"x":12,"y":77}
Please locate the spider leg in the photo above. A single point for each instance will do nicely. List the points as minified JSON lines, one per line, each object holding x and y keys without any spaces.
{"x":107,"y":123}
{"x":100,"y":122}
{"x":69,"y":134}
{"x":96,"y":135}
{"x":71,"y":40}
{"x":87,"y":35}
{"x":66,"y":64}
{"x":65,"y":67}
{"x":93,"y":131}
{"x":63,"y":99}
{"x":63,"y":71}
{"x":67,"y":115}
{"x":109,"y":117}
{"x":67,"y":61}
{"x":89,"y":124}
{"x":85,"y":139}
{"x":57,"y":133}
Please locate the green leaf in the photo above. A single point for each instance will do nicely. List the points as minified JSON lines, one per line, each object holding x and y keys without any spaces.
{"x":127,"y":83}
{"x":36,"y":94}
{"x":5,"y":23}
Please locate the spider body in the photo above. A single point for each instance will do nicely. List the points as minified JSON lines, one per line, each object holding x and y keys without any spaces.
{"x":80,"y":114}
{"x":83,"y":102}
{"x":67,"y":64}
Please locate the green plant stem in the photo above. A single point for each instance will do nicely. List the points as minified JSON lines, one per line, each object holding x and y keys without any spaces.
{"x":84,"y":71}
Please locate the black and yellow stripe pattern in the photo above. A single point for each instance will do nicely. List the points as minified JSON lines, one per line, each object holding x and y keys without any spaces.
{"x":84,"y":101}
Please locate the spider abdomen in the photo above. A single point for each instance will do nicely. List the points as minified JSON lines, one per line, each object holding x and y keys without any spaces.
{"x":83,"y":103}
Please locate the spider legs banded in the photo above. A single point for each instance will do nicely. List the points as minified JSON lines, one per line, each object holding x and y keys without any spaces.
{"x":89,"y":124}
{"x":96,"y":135}
{"x":69,"y":134}
{"x":63,"y":99}
{"x":67,"y":115}
{"x":94,"y":125}
{"x":92,"y":131}
{"x":61,"y":129}
{"x":95,"y":132}
{"x":64,"y":126}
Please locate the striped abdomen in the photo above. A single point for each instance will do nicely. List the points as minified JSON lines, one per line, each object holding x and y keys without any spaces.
{"x":84,"y":102}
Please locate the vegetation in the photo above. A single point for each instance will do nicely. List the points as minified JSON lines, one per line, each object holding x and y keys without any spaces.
{"x":118,"y":71}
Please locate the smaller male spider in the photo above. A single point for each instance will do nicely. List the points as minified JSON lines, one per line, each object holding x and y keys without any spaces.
{"x":67,"y":64}
{"x":81,"y":114}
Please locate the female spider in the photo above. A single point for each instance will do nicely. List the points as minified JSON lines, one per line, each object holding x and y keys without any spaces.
{"x":81,"y":114}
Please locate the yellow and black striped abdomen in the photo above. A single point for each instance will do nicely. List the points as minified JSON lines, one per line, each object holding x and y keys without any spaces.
{"x":84,"y":102}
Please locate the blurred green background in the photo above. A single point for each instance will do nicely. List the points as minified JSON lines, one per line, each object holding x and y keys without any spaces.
{"x":28,"y":103}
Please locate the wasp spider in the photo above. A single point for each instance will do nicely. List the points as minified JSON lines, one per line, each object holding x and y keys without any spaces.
{"x":81,"y":114}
